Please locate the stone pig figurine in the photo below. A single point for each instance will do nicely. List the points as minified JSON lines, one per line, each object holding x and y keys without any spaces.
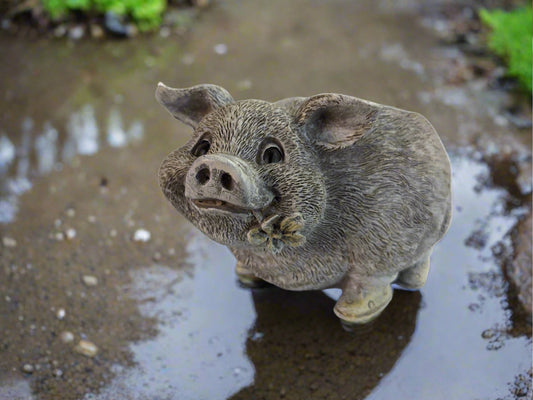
{"x":312,"y":193}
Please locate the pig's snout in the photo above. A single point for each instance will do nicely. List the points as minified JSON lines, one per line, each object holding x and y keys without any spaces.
{"x":225,"y":182}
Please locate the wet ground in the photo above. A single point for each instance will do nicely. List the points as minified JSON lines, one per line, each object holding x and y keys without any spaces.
{"x":91,"y":250}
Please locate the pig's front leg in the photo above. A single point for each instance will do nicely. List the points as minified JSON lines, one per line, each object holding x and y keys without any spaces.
{"x":247,"y":278}
{"x":363,"y":298}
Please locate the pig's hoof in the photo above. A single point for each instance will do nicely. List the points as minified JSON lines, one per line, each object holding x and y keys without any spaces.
{"x":355,"y":311}
{"x":246,"y":277}
{"x":414,"y":277}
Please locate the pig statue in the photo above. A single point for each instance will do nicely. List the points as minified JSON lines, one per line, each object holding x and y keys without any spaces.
{"x":327,"y":191}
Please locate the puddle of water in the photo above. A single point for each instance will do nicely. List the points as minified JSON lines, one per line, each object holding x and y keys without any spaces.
{"x":204,"y":323}
{"x":212,"y":343}
{"x":217,"y":340}
{"x":448,"y":358}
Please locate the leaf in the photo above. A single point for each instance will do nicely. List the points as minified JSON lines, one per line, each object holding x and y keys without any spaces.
{"x":268,"y":224}
{"x":294,"y":239}
{"x":293,"y":223}
{"x":256,"y":237}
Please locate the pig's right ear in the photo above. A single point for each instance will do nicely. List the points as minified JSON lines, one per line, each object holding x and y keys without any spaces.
{"x":190,"y":105}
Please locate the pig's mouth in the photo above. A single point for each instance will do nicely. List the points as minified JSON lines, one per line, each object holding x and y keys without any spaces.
{"x":221,"y":205}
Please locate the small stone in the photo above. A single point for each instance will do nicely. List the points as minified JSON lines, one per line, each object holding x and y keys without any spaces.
{"x":59,"y":236}
{"x":164,"y":32}
{"x":60,"y":31}
{"x":9,"y":242}
{"x":487,"y":334}
{"x":171,"y":252}
{"x":156,"y":256}
{"x":66,"y":337}
{"x":76,"y":32}
{"x":71,"y":212}
{"x":90,"y":280}
{"x":58,"y":373}
{"x":113,"y":233}
{"x":70,"y":233}
{"x":61,"y":313}
{"x":187,"y":59}
{"x":245,"y":84}
{"x":86,"y":348}
{"x":220,"y":49}
{"x":96,"y":31}
{"x":141,"y":235}
{"x":500,"y":120}
{"x":91,"y":219}
{"x":28,"y":368}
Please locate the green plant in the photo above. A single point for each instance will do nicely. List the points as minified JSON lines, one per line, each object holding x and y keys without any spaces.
{"x":145,"y":13}
{"x":511,"y":38}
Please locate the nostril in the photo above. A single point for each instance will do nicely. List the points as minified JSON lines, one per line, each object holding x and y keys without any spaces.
{"x":227,"y":181}
{"x":202,"y":176}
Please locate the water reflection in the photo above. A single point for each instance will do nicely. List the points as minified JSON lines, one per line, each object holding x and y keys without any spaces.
{"x":82,"y":134}
{"x":300,"y":351}
{"x":32,"y":153}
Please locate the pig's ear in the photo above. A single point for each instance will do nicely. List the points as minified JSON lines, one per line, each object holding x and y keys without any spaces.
{"x":335,"y":121}
{"x":190,"y":105}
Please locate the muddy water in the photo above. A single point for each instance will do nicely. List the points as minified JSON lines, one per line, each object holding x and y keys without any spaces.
{"x":80,"y":142}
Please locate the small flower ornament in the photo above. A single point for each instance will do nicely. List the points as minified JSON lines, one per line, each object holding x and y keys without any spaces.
{"x":276,"y":232}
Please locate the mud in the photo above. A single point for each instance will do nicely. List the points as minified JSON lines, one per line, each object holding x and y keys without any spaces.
{"x":81,"y":138}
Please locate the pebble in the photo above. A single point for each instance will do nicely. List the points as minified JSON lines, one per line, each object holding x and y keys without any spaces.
{"x":71,"y":212}
{"x":113,"y":233}
{"x":156,"y":256}
{"x":188,"y":59}
{"x":76,"y":33}
{"x":58,"y":373}
{"x":142,"y":235}
{"x":61,"y":313}
{"x":59,"y":236}
{"x":164,"y":32}
{"x":66,"y":337}
{"x":9,"y":242}
{"x":70,"y":233}
{"x":60,"y":31}
{"x":86,"y":348}
{"x":96,"y":31}
{"x":90,"y":280}
{"x":91,"y":219}
{"x":245,"y":84}
{"x":220,"y":49}
{"x":28,"y":368}
{"x":487,"y":334}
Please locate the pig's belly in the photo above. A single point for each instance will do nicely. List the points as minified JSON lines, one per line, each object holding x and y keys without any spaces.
{"x":299,"y":273}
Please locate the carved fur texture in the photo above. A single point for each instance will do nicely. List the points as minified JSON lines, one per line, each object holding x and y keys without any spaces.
{"x":362,"y":191}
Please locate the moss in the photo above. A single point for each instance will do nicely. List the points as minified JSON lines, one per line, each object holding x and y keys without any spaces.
{"x":511,"y":39}
{"x":145,"y":13}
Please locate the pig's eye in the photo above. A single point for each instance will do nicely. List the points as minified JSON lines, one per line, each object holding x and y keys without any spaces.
{"x":271,"y":152}
{"x":201,"y":148}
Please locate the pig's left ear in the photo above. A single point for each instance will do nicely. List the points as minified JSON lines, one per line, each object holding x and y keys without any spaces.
{"x":190,"y":105}
{"x":335,"y":121}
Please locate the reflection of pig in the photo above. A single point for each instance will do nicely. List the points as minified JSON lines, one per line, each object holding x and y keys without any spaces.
{"x":310,"y":193}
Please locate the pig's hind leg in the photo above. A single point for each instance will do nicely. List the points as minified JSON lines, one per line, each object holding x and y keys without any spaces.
{"x":414,"y":277}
